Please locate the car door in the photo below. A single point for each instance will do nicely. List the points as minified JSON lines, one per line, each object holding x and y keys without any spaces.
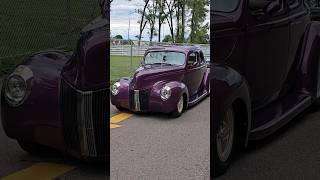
{"x":299,"y":20}
{"x":267,"y":39}
{"x":192,"y":77}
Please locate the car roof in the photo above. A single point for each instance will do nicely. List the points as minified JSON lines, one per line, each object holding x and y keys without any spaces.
{"x":179,"y":48}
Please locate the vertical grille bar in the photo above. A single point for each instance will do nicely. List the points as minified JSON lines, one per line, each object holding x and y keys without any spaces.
{"x":84,"y":118}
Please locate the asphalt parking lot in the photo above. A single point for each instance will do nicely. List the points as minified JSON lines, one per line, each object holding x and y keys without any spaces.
{"x":155,"y":146}
{"x":291,"y":153}
{"x":16,"y":164}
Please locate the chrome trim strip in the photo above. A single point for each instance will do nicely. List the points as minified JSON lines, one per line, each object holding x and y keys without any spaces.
{"x":136,"y":100}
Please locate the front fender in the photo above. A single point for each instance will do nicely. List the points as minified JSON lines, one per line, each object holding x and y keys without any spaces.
{"x":178,"y":89}
{"x":227,"y":88}
{"x":122,"y":99}
{"x":38,"y":118}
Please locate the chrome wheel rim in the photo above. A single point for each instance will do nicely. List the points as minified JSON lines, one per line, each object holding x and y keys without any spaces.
{"x":225,"y":136}
{"x":180,"y":105}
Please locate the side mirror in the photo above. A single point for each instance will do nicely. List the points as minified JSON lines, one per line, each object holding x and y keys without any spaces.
{"x":263,"y":7}
{"x":272,"y":8}
{"x":208,"y":63}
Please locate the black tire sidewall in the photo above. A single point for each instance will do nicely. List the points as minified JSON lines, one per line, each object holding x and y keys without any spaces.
{"x":176,"y":113}
{"x":220,"y":167}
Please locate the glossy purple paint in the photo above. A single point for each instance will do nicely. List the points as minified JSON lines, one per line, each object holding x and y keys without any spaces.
{"x":40,"y":119}
{"x":265,"y":67}
{"x":184,"y":80}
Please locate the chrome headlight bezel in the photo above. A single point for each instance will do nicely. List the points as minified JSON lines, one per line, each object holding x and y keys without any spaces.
{"x":165,"y":93}
{"x":115,"y":89}
{"x":23,"y":74}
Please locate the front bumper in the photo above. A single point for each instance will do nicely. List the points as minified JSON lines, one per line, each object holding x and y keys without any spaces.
{"x":145,"y":101}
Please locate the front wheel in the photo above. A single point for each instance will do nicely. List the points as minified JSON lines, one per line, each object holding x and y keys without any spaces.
{"x":223,"y":143}
{"x":179,"y":107}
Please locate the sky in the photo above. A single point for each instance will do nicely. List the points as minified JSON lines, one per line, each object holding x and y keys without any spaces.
{"x":122,"y":11}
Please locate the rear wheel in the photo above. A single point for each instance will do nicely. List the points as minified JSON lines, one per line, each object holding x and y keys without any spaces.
{"x":223,"y":143}
{"x":179,"y":107}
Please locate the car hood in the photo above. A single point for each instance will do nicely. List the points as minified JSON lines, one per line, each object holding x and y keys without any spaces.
{"x":145,"y":77}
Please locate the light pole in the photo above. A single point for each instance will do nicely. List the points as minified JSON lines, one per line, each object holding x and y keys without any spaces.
{"x":129,"y":41}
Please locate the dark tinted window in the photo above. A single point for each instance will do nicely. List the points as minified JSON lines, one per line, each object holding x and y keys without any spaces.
{"x":225,"y":5}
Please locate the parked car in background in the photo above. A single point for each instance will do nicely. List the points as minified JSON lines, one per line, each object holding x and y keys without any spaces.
{"x":171,"y":79}
{"x":59,"y":100}
{"x":265,"y":71}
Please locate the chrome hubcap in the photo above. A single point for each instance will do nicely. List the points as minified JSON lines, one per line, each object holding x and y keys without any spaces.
{"x":180,"y":104}
{"x":225,"y":136}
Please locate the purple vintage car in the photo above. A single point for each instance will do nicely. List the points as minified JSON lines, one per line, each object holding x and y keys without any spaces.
{"x":171,"y":79}
{"x":59,"y":99}
{"x":265,"y":71}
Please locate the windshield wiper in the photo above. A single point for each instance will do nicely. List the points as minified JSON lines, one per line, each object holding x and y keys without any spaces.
{"x":160,"y":64}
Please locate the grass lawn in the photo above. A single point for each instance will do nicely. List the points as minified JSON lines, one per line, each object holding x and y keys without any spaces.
{"x":31,"y":26}
{"x":120,"y":66}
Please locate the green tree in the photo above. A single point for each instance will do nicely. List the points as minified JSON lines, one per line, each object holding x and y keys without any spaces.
{"x":180,"y":10}
{"x":167,"y":38}
{"x":143,"y":22}
{"x":161,"y":16}
{"x":198,"y":30}
{"x":118,"y":37}
{"x":170,"y":6}
{"x":151,"y":16}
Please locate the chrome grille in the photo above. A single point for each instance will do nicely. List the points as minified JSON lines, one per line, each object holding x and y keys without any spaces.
{"x":139,"y":100}
{"x":84,"y":118}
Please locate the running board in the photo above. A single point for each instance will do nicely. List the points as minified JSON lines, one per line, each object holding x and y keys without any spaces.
{"x":198,"y":98}
{"x":280,"y":120}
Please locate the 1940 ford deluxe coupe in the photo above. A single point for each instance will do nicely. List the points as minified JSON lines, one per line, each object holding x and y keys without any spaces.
{"x":59,"y":99}
{"x":171,"y":79}
{"x":265,"y":70}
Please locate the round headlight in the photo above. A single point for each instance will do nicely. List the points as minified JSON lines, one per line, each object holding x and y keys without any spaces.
{"x":115,"y":88}
{"x":15,"y":90}
{"x":165,"y":93}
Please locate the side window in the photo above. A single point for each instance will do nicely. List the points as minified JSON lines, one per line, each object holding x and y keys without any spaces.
{"x":193,"y":59}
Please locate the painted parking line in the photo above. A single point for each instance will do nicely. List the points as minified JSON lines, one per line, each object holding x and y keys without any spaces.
{"x":118,"y":118}
{"x":40,"y":171}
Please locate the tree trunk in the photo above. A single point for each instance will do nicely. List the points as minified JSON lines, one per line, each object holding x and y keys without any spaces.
{"x":192,"y":25}
{"x":159,"y":38}
{"x":178,"y":24}
{"x":142,"y":26}
{"x":183,"y":21}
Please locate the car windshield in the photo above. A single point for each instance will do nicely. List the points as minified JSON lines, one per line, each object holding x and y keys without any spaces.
{"x":225,"y":6}
{"x":164,"y":58}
